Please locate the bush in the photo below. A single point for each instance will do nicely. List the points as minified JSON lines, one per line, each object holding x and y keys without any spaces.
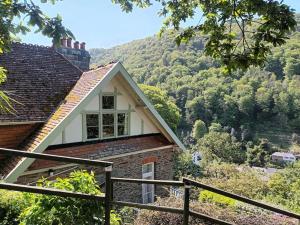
{"x":11,"y":205}
{"x":184,"y":166}
{"x":210,"y":197}
{"x":231,"y":215}
{"x":54,"y":210}
{"x":31,"y":209}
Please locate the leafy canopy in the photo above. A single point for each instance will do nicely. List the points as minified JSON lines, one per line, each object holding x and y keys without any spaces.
{"x":163,"y":104}
{"x":239,"y":32}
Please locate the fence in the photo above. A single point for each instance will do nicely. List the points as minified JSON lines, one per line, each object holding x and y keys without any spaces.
{"x":109,"y":183}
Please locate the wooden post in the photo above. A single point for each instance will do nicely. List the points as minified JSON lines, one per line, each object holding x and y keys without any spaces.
{"x":186,"y":206}
{"x":108,"y":186}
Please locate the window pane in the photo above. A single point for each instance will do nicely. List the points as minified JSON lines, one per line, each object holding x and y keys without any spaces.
{"x":92,"y":132}
{"x":121,"y":118}
{"x":147,"y":168}
{"x":108,"y":119}
{"x":108,"y":131}
{"x":92,"y":126}
{"x":122,"y":130}
{"x":92,"y":120}
{"x":108,"y":102}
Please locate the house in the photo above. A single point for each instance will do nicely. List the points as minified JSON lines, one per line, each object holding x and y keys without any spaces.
{"x":63,"y":108}
{"x":283,"y":157}
{"x":196,"y":157}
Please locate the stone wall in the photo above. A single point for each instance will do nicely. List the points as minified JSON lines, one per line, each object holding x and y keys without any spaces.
{"x":129,"y":166}
{"x":78,"y":57}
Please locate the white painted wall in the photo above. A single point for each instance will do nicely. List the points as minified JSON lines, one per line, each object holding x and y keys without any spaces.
{"x":74,"y":133}
{"x":93,"y":105}
{"x":58,"y":140}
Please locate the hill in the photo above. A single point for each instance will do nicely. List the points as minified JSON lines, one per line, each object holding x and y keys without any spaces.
{"x":246,"y":101}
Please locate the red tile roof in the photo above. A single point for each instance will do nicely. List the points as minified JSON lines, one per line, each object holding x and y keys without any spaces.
{"x":87,"y":82}
{"x":39,"y":78}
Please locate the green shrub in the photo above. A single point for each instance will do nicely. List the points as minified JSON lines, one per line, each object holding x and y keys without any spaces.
{"x":11,"y":205}
{"x":54,"y":210}
{"x":210,"y":197}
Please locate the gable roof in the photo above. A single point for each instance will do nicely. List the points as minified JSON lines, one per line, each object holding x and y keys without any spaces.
{"x":85,"y":90}
{"x":38,"y":78}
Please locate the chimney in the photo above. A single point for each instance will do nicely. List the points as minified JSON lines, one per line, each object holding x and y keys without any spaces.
{"x":77,"y":55}
{"x":76,"y":44}
{"x":69,"y":42}
{"x":63,"y":42}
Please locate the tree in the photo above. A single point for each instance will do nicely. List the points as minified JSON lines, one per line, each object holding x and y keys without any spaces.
{"x":163,"y":104}
{"x":259,"y":155}
{"x":220,"y":146}
{"x":199,"y":129}
{"x":12,"y":11}
{"x":240,"y":32}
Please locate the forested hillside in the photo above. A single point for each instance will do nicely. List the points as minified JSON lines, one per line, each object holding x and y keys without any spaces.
{"x":260,"y":101}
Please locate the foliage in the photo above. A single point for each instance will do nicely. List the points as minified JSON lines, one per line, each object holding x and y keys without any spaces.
{"x":229,"y":214}
{"x":284,"y":188}
{"x":163,"y":104}
{"x":11,"y":205}
{"x":12,"y":24}
{"x":259,"y":155}
{"x":199,"y":129}
{"x":221,"y":146}
{"x":210,"y":197}
{"x":242,"y":181}
{"x":245,"y":101}
{"x":184,"y":166}
{"x":239,"y":33}
{"x":50,"y":210}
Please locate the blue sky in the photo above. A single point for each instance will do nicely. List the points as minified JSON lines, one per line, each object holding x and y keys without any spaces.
{"x":102,"y":24}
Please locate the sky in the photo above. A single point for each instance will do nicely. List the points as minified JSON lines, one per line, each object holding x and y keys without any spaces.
{"x":102,"y":24}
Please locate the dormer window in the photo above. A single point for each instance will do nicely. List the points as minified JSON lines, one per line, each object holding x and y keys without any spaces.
{"x":108,"y":102}
{"x":108,"y":122}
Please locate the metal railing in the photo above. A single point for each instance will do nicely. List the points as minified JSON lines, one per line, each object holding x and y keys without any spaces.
{"x":109,"y":183}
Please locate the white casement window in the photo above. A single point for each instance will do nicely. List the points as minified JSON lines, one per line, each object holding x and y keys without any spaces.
{"x":108,"y":122}
{"x":108,"y":125}
{"x":92,"y":126}
{"x":148,"y":189}
{"x":122,"y":125}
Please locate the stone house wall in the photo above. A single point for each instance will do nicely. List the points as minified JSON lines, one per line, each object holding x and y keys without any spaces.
{"x":127,"y":165}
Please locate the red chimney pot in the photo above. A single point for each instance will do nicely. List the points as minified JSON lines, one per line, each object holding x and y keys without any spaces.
{"x":63,"y":42}
{"x":82,"y":45}
{"x":76,"y":44}
{"x":69,"y":42}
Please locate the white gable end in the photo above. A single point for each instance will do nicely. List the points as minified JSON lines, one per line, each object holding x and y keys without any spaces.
{"x":138,"y":122}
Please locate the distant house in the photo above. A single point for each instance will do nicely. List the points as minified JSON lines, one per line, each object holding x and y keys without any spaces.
{"x":283,"y":157}
{"x":196,"y":157}
{"x":66,"y":109}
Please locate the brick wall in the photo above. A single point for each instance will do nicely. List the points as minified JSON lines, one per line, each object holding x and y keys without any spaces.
{"x":13,"y":135}
{"x":102,"y":148}
{"x":128,"y":167}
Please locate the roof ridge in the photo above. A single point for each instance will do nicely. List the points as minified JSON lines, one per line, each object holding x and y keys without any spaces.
{"x":32,"y":45}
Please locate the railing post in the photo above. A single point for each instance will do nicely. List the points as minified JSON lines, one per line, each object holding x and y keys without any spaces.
{"x":108,"y":186}
{"x":186,"y":204}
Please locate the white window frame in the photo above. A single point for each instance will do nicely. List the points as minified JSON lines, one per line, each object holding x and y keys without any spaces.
{"x":148,"y":176}
{"x":102,"y":111}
